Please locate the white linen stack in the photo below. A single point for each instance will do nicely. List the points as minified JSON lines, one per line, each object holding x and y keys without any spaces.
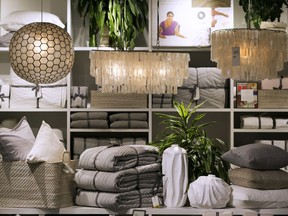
{"x":119,"y":177}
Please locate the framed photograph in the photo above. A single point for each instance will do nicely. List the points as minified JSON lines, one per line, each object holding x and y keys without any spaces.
{"x":247,"y":94}
{"x":139,"y":212}
{"x":188,"y":23}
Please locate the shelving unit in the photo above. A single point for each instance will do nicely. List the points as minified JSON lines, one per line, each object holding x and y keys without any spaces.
{"x":224,"y":127}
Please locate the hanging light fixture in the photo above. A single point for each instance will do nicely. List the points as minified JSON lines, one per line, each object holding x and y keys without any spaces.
{"x":41,"y":52}
{"x":139,"y":72}
{"x":249,"y":54}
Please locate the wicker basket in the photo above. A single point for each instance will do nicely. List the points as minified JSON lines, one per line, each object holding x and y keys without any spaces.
{"x":113,"y":100}
{"x":273,"y":99}
{"x":38,"y":185}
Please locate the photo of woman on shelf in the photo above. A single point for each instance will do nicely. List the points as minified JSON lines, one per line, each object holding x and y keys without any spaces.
{"x":169,"y":27}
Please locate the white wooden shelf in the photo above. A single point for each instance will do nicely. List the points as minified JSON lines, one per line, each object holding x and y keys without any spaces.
{"x":149,"y":211}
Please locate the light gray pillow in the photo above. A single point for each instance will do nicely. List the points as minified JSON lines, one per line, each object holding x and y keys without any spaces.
{"x":259,"y":179}
{"x":17,"y":143}
{"x":257,"y":156}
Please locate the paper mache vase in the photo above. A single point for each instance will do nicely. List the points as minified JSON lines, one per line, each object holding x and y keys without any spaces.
{"x":175,"y":179}
{"x":209,"y":192}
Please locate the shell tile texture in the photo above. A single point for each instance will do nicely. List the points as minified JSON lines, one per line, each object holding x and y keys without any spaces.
{"x":41,"y":53}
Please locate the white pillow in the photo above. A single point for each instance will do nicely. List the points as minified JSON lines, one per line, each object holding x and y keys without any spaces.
{"x":243,"y":197}
{"x":47,"y":146}
{"x":18,"y":19}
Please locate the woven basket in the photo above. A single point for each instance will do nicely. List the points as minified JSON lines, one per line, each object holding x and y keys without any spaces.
{"x":113,"y":100}
{"x":38,"y":185}
{"x":273,"y":99}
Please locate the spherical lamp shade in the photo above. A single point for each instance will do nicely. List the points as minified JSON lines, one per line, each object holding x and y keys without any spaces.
{"x":41,"y":53}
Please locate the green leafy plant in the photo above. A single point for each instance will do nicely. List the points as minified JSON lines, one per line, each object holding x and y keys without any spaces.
{"x":125,"y":20}
{"x":264,"y":10}
{"x":184,"y":129}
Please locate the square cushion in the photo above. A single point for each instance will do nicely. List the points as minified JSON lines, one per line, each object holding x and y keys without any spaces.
{"x":17,"y":143}
{"x":257,"y":156}
{"x":259,"y":179}
{"x":17,"y":19}
{"x":47,"y":146}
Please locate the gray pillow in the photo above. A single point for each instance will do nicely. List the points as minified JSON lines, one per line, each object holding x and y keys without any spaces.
{"x":17,"y":143}
{"x":259,"y":179}
{"x":257,"y":156}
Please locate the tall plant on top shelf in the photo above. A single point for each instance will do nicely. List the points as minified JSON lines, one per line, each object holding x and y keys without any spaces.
{"x":124,"y":19}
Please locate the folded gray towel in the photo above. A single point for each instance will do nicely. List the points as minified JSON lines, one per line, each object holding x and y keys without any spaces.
{"x":89,"y":115}
{"x":128,"y":116}
{"x":88,"y":123}
{"x":129,"y":124}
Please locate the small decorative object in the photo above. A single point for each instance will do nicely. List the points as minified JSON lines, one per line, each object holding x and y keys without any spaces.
{"x":209,"y":192}
{"x":246,"y":94}
{"x":175,"y":179}
{"x":41,"y":53}
{"x":79,"y":96}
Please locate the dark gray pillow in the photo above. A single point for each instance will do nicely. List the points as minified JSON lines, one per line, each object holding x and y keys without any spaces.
{"x":257,"y":156}
{"x":259,"y":179}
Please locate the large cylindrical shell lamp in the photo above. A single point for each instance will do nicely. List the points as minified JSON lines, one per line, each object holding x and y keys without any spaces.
{"x":41,"y":53}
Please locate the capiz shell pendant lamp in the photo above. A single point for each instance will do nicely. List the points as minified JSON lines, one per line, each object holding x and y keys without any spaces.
{"x":249,"y":54}
{"x":41,"y":52}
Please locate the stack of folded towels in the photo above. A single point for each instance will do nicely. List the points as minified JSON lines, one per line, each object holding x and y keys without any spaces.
{"x":162,"y":100}
{"x":89,"y":120}
{"x":263,"y":122}
{"x":119,"y":177}
{"x":128,"y":120}
{"x":257,"y":180}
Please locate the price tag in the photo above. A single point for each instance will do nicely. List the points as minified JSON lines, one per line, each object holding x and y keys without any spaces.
{"x":155,"y":202}
{"x":235,"y":56}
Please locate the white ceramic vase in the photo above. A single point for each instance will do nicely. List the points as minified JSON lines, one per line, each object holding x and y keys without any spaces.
{"x":209,"y":192}
{"x":175,"y":179}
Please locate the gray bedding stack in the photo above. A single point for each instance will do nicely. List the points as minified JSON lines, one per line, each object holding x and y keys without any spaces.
{"x":119,"y":177}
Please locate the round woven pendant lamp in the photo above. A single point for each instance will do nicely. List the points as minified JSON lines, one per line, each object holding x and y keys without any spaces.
{"x":41,"y":53}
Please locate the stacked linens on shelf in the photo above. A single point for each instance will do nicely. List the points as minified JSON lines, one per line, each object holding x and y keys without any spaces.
{"x":162,"y":101}
{"x":28,"y":95}
{"x":127,"y":120}
{"x":257,"y":180}
{"x":89,"y":120}
{"x":204,"y":84}
{"x":263,"y":122}
{"x":119,"y":177}
{"x":4,"y":94}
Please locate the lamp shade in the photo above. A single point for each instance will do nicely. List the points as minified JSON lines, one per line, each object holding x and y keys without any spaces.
{"x":41,"y":53}
{"x":249,"y":54}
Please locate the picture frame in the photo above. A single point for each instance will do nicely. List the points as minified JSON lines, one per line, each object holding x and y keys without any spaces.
{"x":195,"y":23}
{"x":247,"y":94}
{"x":139,"y":212}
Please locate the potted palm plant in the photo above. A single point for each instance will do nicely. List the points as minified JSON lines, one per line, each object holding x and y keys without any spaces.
{"x":265,"y":10}
{"x":184,"y":129}
{"x":123,"y":19}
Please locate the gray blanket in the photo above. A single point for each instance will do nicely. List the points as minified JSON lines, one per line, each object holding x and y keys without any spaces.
{"x":104,"y":158}
{"x":116,"y":201}
{"x":119,"y":181}
{"x":212,"y":86}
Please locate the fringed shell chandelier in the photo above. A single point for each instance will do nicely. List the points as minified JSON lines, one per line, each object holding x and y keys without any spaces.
{"x":139,"y":72}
